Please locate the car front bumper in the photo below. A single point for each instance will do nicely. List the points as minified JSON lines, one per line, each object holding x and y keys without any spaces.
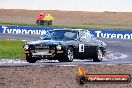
{"x":44,"y":55}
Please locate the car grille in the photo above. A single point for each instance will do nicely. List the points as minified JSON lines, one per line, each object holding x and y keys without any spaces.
{"x":42,"y":48}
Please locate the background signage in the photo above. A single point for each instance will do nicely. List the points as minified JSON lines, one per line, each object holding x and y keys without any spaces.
{"x":40,"y":31}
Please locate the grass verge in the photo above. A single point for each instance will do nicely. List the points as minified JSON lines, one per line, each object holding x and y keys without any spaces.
{"x":11,"y":49}
{"x":74,"y":27}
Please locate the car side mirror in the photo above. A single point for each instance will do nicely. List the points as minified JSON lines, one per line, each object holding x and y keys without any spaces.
{"x":80,"y":39}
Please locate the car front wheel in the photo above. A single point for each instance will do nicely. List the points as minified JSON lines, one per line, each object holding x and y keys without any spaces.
{"x":30,"y":59}
{"x":68,"y":55}
{"x":99,"y":55}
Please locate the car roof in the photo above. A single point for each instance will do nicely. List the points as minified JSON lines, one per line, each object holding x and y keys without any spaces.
{"x":67,"y":29}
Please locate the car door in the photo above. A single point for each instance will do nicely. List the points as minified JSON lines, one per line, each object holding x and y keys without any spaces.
{"x":90,"y":44}
{"x":83,"y":45}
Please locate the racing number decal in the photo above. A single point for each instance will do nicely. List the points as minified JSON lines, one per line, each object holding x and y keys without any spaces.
{"x":81,"y":47}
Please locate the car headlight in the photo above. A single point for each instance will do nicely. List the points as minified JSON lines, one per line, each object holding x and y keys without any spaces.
{"x":58,"y":47}
{"x":26,"y":47}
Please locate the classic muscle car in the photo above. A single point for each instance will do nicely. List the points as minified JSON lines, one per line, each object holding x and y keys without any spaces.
{"x":65,"y":45}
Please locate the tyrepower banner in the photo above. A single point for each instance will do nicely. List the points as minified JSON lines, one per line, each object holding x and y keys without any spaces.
{"x":24,"y":30}
{"x":122,"y":34}
{"x":40,"y":31}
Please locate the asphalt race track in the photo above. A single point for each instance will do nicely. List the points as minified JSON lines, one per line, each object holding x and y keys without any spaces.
{"x":118,"y":52}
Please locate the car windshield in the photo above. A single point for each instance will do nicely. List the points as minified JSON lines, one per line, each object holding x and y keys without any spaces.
{"x":61,"y":35}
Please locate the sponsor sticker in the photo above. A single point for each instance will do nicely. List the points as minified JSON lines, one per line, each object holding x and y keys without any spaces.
{"x":81,"y":47}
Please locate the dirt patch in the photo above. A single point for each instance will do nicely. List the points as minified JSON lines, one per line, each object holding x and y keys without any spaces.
{"x":57,"y":77}
{"x":71,"y":18}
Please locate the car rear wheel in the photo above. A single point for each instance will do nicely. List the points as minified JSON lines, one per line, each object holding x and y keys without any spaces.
{"x":30,"y":59}
{"x":68,"y":55}
{"x":99,"y":55}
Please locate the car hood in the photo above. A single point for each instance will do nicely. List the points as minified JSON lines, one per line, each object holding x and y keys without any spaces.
{"x":46,"y":42}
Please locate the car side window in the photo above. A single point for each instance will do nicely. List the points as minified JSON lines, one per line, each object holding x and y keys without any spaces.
{"x":82,"y":35}
{"x":92,"y":36}
{"x":88,"y":37}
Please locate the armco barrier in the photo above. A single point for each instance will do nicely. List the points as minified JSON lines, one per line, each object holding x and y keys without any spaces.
{"x":40,"y":30}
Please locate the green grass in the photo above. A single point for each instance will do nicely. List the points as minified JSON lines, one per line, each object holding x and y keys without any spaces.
{"x":11,"y":49}
{"x":73,"y":27}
